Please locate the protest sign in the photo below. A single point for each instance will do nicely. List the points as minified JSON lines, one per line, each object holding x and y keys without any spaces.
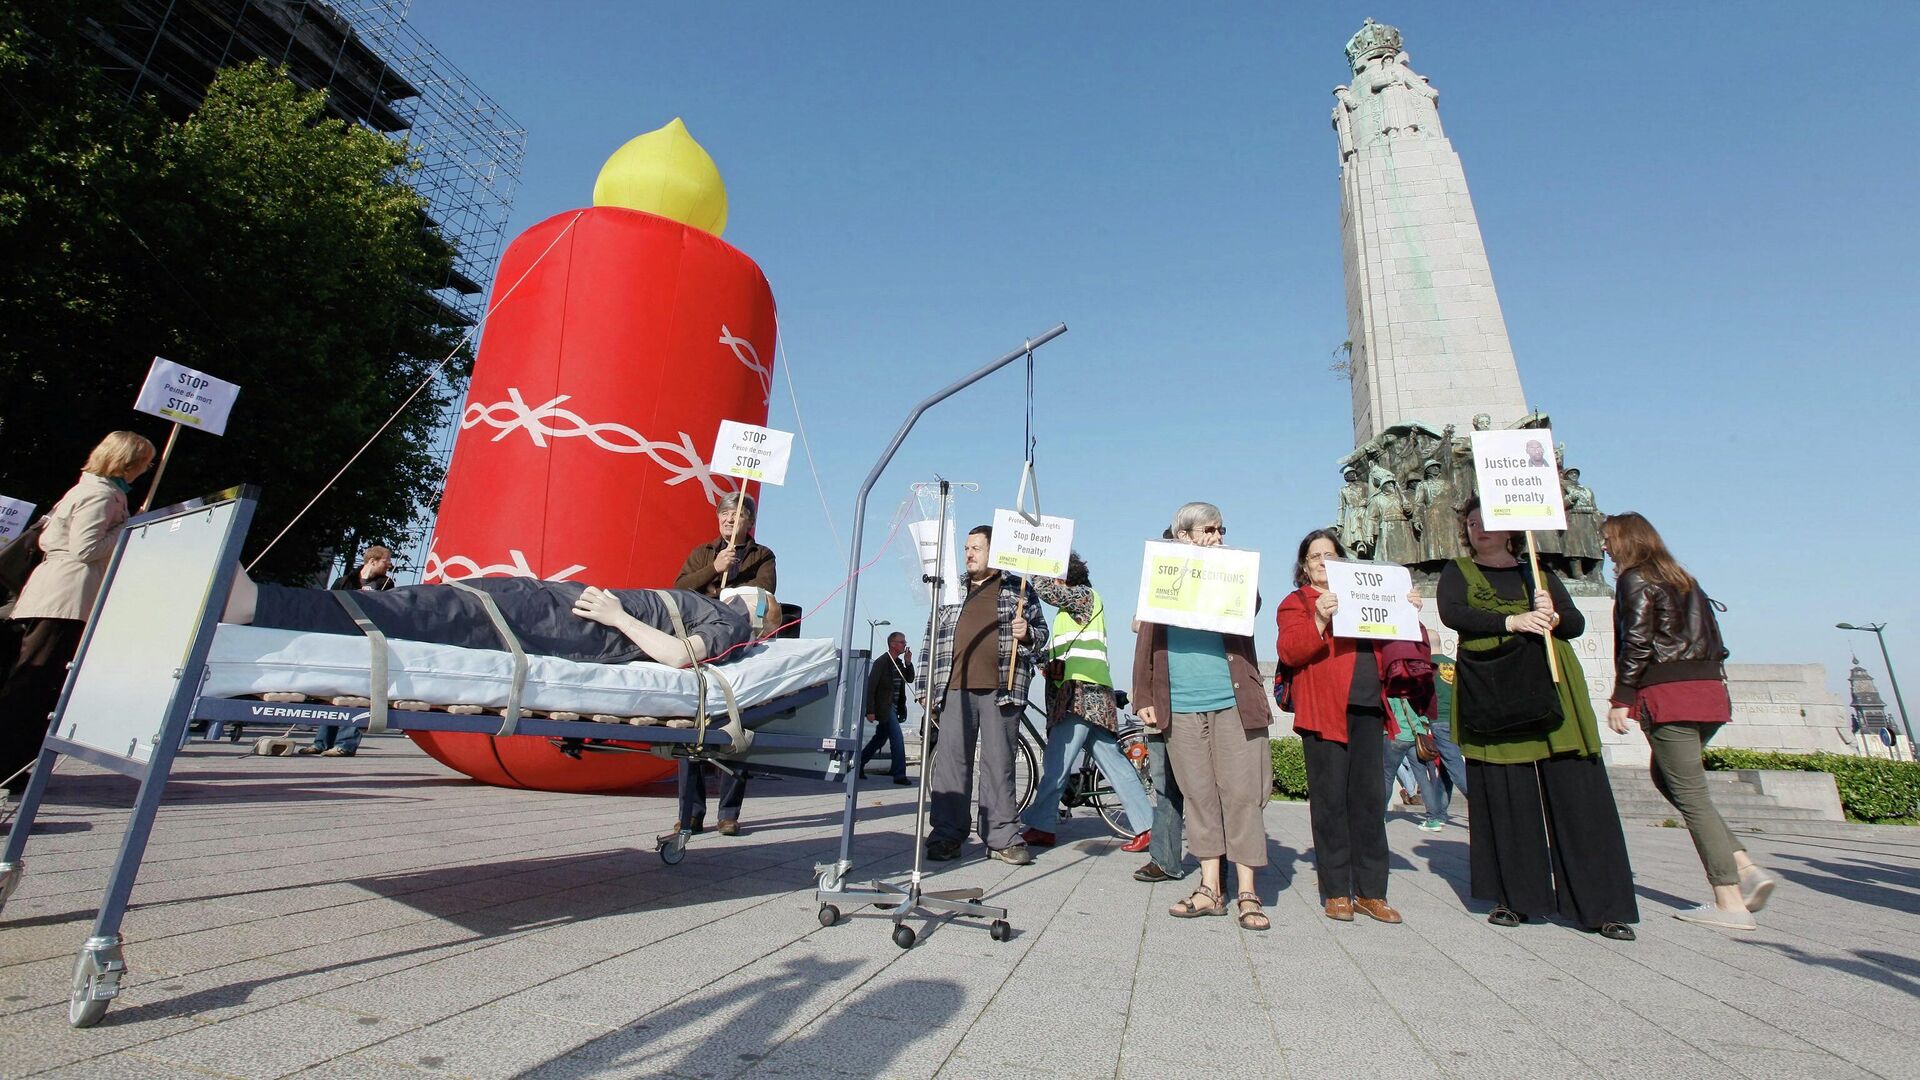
{"x":1373,"y":601}
{"x":178,"y":393}
{"x":1200,"y":588}
{"x":752,"y":453}
{"x":14,"y":515}
{"x":924,"y":541}
{"x":1034,"y":546}
{"x":1519,"y":481}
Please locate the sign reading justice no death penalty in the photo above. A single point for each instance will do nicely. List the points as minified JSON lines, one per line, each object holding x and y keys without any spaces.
{"x":1519,"y":481}
{"x":1200,"y":588}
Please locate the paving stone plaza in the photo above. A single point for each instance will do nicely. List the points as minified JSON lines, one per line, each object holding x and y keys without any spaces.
{"x":380,"y":916}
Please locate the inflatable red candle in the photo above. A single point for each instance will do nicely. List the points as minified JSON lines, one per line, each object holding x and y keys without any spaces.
{"x":620,"y":336}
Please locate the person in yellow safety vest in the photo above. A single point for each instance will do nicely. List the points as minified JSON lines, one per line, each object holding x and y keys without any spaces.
{"x":1081,"y":710}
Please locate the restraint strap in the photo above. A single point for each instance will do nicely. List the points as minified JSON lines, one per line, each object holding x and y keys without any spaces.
{"x":500,"y":627}
{"x":376,"y":667}
{"x":736,"y":730}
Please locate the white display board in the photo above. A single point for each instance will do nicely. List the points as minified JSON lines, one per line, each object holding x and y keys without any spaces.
{"x":1030,"y":545}
{"x":1519,"y":481}
{"x":1373,"y":601}
{"x":15,"y":516}
{"x":751,"y":452}
{"x":185,"y":396}
{"x":142,"y":632}
{"x":1200,"y":588}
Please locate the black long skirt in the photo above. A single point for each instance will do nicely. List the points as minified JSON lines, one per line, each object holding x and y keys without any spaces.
{"x":1546,"y":838}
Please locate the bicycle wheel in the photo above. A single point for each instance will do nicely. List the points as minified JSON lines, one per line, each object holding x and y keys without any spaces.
{"x":1112,"y":811}
{"x":1026,"y":771}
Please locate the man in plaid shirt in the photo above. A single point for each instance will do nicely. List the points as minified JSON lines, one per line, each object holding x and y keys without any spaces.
{"x":966,"y":690}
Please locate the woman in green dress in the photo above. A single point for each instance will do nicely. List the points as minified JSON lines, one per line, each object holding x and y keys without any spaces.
{"x":1544,"y":833}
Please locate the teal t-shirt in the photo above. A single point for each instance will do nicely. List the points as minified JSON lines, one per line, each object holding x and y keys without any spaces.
{"x":1197,"y":670}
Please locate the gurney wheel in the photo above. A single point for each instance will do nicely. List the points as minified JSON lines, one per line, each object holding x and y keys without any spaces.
{"x":829,"y":914}
{"x":96,"y":979}
{"x":1000,"y":930}
{"x":672,"y":851}
{"x":903,"y":936}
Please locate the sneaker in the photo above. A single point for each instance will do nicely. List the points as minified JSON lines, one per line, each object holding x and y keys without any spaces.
{"x":335,"y":751}
{"x":1756,"y":885}
{"x":305,"y":750}
{"x":943,"y":850}
{"x":1015,"y":853}
{"x":1433,"y":825}
{"x":1038,"y":838}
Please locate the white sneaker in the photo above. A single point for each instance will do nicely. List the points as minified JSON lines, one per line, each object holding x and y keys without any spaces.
{"x":1719,"y":920}
{"x":1756,"y":885}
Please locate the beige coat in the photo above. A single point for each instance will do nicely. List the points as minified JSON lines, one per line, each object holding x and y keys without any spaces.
{"x":78,"y":543}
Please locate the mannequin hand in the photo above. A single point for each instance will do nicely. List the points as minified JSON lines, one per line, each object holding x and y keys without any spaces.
{"x":599,"y":605}
{"x":1618,"y":718}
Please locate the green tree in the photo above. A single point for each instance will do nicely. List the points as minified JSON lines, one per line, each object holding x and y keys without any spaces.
{"x":258,"y":240}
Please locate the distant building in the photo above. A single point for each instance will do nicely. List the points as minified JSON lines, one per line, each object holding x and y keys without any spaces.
{"x":377,"y":72}
{"x":1869,"y":710}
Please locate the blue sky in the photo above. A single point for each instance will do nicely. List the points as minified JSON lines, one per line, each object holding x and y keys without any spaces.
{"x":1702,"y":225}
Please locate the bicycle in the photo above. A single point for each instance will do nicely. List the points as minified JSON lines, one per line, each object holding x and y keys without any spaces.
{"x":1086,"y":785}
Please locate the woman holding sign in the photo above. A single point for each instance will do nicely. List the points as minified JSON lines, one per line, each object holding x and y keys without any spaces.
{"x":1543,"y":829}
{"x":1340,"y":711}
{"x":77,"y":542}
{"x":1668,"y":675}
{"x":1204,"y":690}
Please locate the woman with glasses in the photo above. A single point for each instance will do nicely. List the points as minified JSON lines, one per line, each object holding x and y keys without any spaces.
{"x":1204,"y":690}
{"x":1543,"y":831}
{"x":1343,"y":719}
{"x":1669,"y":674}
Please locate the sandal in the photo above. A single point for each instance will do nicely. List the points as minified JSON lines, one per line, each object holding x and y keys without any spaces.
{"x":1187,"y":909}
{"x":1255,"y":919}
{"x":1506,"y":916}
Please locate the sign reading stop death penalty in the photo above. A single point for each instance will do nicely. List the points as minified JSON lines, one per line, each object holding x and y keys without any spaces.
{"x":1519,"y":481}
{"x":1200,"y":588}
{"x":752,"y":453}
{"x":14,"y":515}
{"x":1373,"y":601}
{"x":1034,"y":546}
{"x":178,"y":393}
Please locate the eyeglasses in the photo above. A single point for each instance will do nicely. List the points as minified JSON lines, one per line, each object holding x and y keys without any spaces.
{"x":1211,"y":530}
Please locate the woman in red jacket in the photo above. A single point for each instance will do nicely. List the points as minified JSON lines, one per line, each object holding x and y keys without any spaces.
{"x":1340,"y":711}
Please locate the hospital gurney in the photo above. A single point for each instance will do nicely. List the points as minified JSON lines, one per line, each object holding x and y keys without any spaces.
{"x":154,"y":659}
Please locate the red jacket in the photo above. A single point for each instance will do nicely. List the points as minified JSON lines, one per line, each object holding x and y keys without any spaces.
{"x":1323,"y":670}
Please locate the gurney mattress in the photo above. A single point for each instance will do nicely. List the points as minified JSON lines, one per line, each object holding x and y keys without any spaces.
{"x":256,"y":660}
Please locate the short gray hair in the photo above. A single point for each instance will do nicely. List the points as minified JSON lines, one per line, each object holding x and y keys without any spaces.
{"x":733,"y":499}
{"x":1195,"y":514}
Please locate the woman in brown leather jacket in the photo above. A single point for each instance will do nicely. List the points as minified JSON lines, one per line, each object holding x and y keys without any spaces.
{"x":1669,"y":675}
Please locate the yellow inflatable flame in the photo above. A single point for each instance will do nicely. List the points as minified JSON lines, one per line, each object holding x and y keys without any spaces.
{"x":665,"y":172}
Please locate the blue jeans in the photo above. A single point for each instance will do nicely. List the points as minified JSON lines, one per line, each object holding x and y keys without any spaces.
{"x":1168,"y":849}
{"x":327,"y":736}
{"x":1452,"y":762}
{"x":1063,"y":750}
{"x":693,"y":792}
{"x":1433,"y":796}
{"x":887,"y":730}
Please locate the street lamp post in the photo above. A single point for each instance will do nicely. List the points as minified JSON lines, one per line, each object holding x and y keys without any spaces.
{"x":873,"y":624}
{"x":1877,"y":630}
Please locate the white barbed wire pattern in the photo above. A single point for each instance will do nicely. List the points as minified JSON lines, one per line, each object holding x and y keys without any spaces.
{"x":439,"y":569}
{"x":550,"y":421}
{"x":749,"y":357}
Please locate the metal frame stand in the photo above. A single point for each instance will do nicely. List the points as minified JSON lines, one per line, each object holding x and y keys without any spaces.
{"x":100,"y":964}
{"x":908,"y":898}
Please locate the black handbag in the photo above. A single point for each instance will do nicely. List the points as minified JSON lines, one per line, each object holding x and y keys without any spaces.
{"x":1507,"y":690}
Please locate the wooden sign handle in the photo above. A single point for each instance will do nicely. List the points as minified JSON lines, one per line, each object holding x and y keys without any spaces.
{"x":1540,"y":583}
{"x":161,"y":468}
{"x":1019,"y":605}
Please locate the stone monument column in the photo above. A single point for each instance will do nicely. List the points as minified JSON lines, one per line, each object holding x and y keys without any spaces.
{"x":1429,"y":342}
